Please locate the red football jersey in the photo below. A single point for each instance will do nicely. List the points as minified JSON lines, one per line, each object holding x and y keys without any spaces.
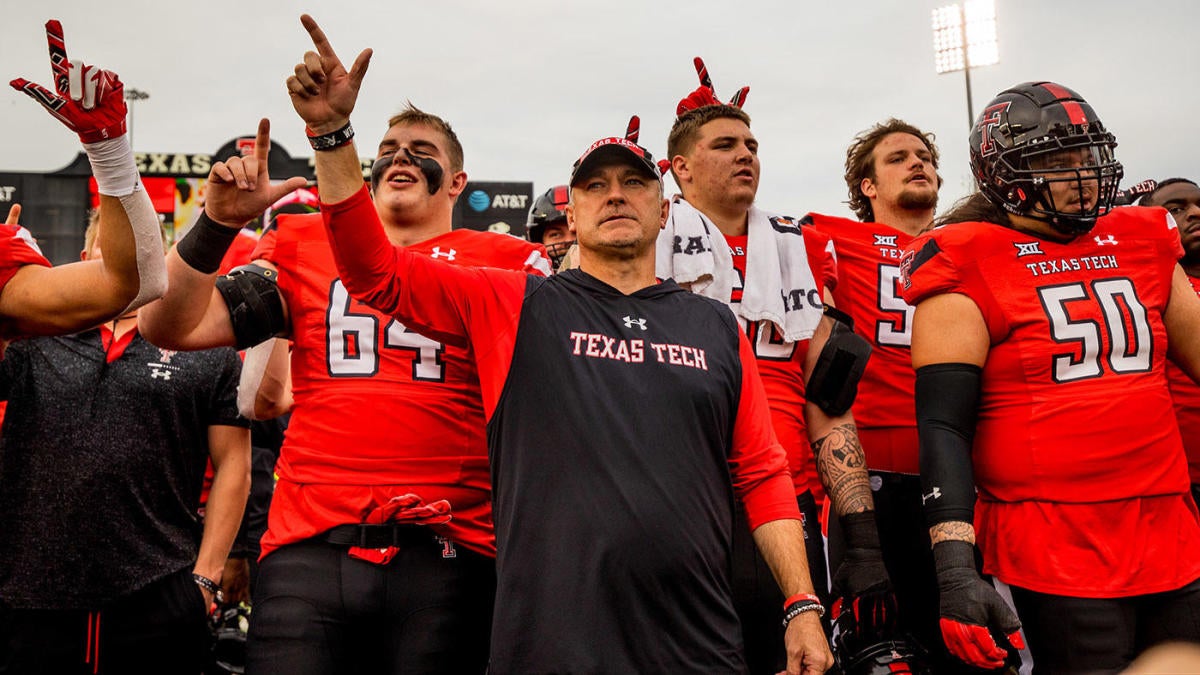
{"x":379,"y":410}
{"x":869,"y":291}
{"x":781,"y":364}
{"x":17,"y":250}
{"x":1083,"y":486}
{"x":1186,"y":394}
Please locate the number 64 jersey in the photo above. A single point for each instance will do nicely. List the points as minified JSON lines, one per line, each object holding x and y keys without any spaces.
{"x":1078,"y":459}
{"x":380,"y":410}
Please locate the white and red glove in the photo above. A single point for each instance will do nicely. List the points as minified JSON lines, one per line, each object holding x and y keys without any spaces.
{"x":90,"y":100}
{"x":407,"y":508}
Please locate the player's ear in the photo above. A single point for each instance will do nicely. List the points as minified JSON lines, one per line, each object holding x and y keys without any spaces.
{"x":867,"y":187}
{"x":458,"y":183}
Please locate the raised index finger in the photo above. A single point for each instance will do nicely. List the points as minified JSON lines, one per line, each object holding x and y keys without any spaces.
{"x":262,"y":142}
{"x":318,"y":37}
{"x":58,"y":55}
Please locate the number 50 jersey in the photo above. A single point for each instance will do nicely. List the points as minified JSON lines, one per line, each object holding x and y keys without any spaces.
{"x":1077,"y":454}
{"x":378,"y":407}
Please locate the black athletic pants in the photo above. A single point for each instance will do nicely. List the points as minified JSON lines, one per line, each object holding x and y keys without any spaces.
{"x":160,"y":628}
{"x":1103,"y":635}
{"x":756,"y":595}
{"x":319,"y":611}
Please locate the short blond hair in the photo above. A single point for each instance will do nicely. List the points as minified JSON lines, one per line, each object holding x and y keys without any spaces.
{"x":412,"y":115}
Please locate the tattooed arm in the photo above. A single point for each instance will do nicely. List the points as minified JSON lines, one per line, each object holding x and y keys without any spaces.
{"x":841,"y":465}
{"x":842,"y":468}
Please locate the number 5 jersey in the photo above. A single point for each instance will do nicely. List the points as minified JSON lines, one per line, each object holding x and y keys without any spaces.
{"x":1083,"y":484}
{"x":379,"y":409}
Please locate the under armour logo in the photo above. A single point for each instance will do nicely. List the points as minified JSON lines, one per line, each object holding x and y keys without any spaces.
{"x":1106,"y":241}
{"x":630,"y":323}
{"x":438,"y":253}
{"x":936,"y":494}
{"x":164,"y":374}
{"x":885,"y":240}
{"x":1029,"y":248}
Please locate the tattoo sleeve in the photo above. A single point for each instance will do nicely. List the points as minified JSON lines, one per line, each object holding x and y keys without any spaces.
{"x":843,"y":469}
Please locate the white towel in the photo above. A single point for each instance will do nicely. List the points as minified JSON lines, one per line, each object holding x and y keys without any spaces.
{"x":693,"y":252}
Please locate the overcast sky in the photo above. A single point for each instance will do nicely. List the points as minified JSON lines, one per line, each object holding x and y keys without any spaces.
{"x":528,"y":84}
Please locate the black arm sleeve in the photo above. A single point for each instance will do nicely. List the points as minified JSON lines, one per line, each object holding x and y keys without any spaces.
{"x":947,"y":401}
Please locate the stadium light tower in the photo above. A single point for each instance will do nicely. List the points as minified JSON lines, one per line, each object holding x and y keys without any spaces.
{"x":964,"y":36}
{"x":133,"y":96}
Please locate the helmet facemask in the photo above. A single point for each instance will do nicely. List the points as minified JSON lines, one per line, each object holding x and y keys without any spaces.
{"x":1038,"y":150}
{"x":1079,"y":168}
{"x":549,"y":209}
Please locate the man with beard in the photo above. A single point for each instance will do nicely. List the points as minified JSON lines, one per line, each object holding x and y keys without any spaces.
{"x":891,"y":175}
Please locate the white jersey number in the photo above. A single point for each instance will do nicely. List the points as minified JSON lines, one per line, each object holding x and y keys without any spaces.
{"x":352,"y":342}
{"x":898,"y":331}
{"x":1126,"y":323}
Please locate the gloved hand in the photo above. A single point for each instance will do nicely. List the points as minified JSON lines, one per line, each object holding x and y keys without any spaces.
{"x":90,"y":101}
{"x":861,"y":571}
{"x":970,"y":607}
{"x":864,"y":621}
{"x":704,"y":94}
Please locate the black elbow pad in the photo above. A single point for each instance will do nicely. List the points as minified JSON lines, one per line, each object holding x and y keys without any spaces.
{"x":833,"y":383}
{"x":947,"y":400}
{"x":251,"y":293}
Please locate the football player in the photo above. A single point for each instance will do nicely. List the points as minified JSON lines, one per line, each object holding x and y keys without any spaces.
{"x":892,"y":179}
{"x":1044,"y":319}
{"x":776,"y":277}
{"x":383,"y":503}
{"x":547,"y":223}
{"x":1181,"y":198}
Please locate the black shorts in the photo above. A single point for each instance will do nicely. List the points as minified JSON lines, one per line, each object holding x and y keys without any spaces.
{"x":160,"y":628}
{"x":317,"y":610}
{"x":756,"y":594}
{"x":1103,"y":635}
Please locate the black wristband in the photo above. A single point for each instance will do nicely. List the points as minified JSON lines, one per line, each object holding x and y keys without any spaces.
{"x":208,"y":585}
{"x":331,"y":140}
{"x":204,"y":246}
{"x":860,"y":531}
